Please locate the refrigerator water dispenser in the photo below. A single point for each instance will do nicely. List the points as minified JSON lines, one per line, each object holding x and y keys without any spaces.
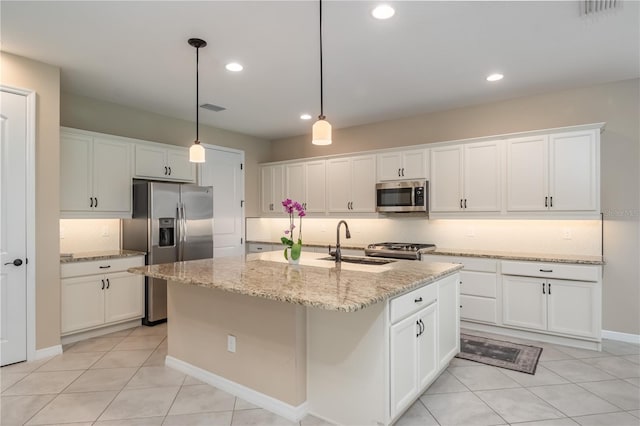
{"x":167,"y":232}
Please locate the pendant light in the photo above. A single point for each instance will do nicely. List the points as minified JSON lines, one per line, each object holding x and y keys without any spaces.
{"x":321,"y":131}
{"x":196,"y":152}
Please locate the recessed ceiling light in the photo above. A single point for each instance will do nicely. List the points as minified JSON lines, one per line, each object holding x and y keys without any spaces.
{"x":495,"y":77}
{"x":383,"y":11}
{"x":305,"y":117}
{"x":234,"y":66}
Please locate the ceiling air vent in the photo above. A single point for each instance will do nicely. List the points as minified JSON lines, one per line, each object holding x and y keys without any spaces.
{"x":212,"y":107}
{"x":591,"y":7}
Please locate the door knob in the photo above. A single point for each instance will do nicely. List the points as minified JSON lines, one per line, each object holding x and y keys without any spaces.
{"x":16,"y":262}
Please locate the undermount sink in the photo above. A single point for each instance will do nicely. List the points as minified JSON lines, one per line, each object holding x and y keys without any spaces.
{"x":360,"y":260}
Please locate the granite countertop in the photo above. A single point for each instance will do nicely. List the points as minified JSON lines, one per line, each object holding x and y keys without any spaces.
{"x":533,"y":257}
{"x":98,"y":255}
{"x":315,"y":282}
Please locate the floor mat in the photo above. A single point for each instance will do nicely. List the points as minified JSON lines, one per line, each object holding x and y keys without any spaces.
{"x":513,"y":356}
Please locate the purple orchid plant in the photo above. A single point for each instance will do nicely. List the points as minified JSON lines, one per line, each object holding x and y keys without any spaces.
{"x":291,"y":208}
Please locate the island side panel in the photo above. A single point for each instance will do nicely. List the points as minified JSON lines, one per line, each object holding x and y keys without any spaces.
{"x":348,"y":365}
{"x":270,"y":336}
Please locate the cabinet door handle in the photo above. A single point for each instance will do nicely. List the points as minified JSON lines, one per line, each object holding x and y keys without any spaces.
{"x":546,"y":201}
{"x":419,"y":329}
{"x":549,"y":288}
{"x":460,"y":202}
{"x":465,"y":203}
{"x":403,"y":172}
{"x":398,"y":172}
{"x":546,"y":270}
{"x":91,"y":201}
{"x":165,"y":170}
{"x":543,"y":292}
{"x":550,"y":201}
{"x":169,"y":171}
{"x":418,"y":299}
{"x":108,"y":284}
{"x":102,"y":285}
{"x":96,"y":203}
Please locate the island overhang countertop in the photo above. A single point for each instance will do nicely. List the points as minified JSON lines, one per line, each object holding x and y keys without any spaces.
{"x":314,"y":282}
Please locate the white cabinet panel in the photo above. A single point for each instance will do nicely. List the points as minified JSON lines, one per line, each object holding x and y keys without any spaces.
{"x":180,"y":168}
{"x":446,"y":179}
{"x":428,"y":363}
{"x":573,"y":172}
{"x":124,"y":297}
{"x":404,"y":363}
{"x":573,"y":308}
{"x":272,"y":188}
{"x":82,"y":303}
{"x":482,"y":183}
{"x":478,"y":283}
{"x":524,"y":302}
{"x":111,"y":175}
{"x":390,"y":166}
{"x":295,"y":182}
{"x":75,"y":172}
{"x":448,"y":319}
{"x":158,"y":161}
{"x":527,"y":173}
{"x":476,"y":308}
{"x":339,"y":188}
{"x":150,"y":161}
{"x":315,"y":184}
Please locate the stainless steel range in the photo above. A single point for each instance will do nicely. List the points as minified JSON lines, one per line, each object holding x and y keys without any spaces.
{"x":411,"y":251}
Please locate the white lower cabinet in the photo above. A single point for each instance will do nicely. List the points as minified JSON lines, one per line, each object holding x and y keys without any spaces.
{"x":569,"y":306}
{"x":100,"y":293}
{"x":413,"y":356}
{"x":448,"y":320}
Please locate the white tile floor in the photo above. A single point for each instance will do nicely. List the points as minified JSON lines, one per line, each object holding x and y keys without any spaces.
{"x":120,"y":379}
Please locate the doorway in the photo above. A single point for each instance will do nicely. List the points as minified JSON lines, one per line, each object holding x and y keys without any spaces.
{"x":17,"y":225}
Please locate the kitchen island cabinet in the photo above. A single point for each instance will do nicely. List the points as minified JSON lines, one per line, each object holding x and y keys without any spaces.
{"x":326,"y":350}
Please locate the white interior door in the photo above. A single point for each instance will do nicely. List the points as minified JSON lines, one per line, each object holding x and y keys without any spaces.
{"x":223,"y":170}
{"x":13,"y":237}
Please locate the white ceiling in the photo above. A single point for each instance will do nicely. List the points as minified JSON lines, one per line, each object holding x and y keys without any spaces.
{"x":430,"y":56}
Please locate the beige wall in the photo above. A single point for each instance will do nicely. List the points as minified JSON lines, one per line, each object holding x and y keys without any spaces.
{"x":615,"y":103}
{"x":270,"y":336}
{"x":98,"y":116}
{"x":45,"y":81}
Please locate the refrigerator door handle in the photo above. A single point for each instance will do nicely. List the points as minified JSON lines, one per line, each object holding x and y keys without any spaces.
{"x":184,"y":224}
{"x":180,"y":232}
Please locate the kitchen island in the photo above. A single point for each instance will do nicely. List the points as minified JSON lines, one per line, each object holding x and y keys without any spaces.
{"x":353,"y":344}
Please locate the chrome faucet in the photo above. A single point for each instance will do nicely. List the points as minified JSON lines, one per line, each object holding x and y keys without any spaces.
{"x":346,"y":228}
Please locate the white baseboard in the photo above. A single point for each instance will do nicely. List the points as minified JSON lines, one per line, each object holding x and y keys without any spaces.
{"x":48,"y":352}
{"x":290,"y":412}
{"x":101,"y":331}
{"x":621,"y":337}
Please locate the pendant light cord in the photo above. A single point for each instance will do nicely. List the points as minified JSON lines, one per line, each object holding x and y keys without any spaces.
{"x":321,"y":117}
{"x":197,"y":97}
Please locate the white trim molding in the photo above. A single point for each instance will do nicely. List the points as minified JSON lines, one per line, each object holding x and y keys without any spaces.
{"x":47,"y":352}
{"x":290,"y":412}
{"x":30,"y":215}
{"x":621,"y":337}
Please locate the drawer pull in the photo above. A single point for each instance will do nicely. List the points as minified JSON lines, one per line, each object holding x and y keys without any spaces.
{"x":546,"y":270}
{"x":105,"y":267}
{"x":418,"y":300}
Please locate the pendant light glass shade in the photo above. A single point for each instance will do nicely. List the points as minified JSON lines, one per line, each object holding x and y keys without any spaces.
{"x":196,"y":153}
{"x":321,"y":132}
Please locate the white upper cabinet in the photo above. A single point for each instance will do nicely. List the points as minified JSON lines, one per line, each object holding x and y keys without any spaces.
{"x":305,"y":183}
{"x":272,"y":188}
{"x":95,"y":175}
{"x":158,"y":161}
{"x":466,"y":177}
{"x":398,"y":165}
{"x":557,"y":172}
{"x":351,"y":184}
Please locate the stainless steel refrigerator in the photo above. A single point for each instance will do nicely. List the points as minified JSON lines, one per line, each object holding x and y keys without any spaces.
{"x":172,"y":222}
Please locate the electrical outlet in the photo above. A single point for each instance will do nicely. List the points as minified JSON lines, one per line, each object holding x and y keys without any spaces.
{"x":105,"y":231}
{"x":471,"y":232}
{"x":231,"y":343}
{"x":566,"y":233}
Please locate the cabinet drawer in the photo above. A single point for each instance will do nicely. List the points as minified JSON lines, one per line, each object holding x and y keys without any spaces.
{"x":413,"y":301}
{"x":259,"y":248}
{"x":478,"y":309}
{"x":100,"y":266}
{"x":469,"y":263}
{"x":478,"y":283}
{"x":552,"y":270}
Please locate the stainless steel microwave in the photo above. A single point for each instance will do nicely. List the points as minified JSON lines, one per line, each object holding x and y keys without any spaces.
{"x":403,"y":196}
